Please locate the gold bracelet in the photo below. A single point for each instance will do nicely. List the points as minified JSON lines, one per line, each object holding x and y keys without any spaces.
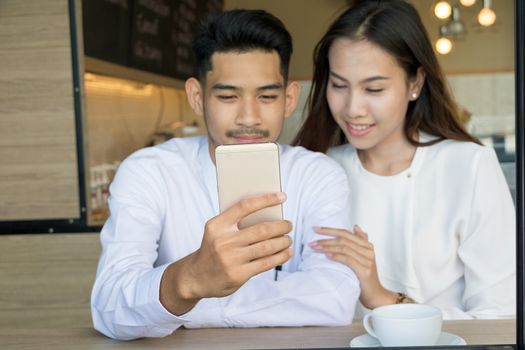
{"x":402,"y":298}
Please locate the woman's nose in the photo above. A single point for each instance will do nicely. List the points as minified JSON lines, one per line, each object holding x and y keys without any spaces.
{"x":355,"y":105}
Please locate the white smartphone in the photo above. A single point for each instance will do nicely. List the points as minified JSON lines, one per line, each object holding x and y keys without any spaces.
{"x":247,"y":170}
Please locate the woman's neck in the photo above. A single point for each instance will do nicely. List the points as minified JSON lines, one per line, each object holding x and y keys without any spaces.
{"x":388,"y":159}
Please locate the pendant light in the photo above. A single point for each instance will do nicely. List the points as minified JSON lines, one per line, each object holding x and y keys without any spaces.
{"x":486,"y":16}
{"x":442,"y":9}
{"x":467,"y":3}
{"x":443,"y":44}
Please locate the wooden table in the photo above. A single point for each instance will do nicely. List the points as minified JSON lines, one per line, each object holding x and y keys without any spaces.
{"x":474,"y":332}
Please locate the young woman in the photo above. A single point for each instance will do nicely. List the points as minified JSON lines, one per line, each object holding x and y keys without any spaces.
{"x":433,"y":200}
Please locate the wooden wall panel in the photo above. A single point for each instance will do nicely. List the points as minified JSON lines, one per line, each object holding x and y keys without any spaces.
{"x":46,"y":280}
{"x":38,"y":162}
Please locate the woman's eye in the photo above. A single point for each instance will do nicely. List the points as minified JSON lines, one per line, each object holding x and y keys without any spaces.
{"x":337,"y":86}
{"x":374,"y":90}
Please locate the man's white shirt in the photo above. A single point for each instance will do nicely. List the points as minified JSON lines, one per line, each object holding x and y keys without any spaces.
{"x":160,"y":200}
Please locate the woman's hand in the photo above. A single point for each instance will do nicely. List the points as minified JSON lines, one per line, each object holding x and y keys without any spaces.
{"x":355,"y":251}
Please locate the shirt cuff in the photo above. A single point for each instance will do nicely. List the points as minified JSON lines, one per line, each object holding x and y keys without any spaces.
{"x":206,"y":313}
{"x":155,"y":313}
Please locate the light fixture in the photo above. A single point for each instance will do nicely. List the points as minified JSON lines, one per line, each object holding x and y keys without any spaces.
{"x":455,"y":26}
{"x":467,"y":3}
{"x":442,"y":9}
{"x":105,"y":85}
{"x":486,"y":16}
{"x":443,"y":44}
{"x":455,"y":29}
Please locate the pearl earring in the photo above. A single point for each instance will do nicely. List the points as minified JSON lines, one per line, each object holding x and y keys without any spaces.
{"x":414,"y":95}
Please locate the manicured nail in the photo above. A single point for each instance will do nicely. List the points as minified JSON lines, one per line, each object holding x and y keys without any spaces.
{"x":329,"y":255}
{"x":281,"y":196}
{"x":316,"y":228}
{"x":315,"y":246}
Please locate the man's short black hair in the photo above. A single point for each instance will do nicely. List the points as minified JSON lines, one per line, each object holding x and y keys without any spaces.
{"x":241,"y":31}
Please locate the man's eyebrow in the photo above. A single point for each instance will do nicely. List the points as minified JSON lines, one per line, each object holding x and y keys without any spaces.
{"x":273,"y":86}
{"x":367,"y":80}
{"x":221,"y":86}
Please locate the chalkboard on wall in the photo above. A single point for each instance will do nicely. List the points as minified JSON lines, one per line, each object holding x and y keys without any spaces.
{"x":185,"y":18}
{"x":106,"y":26}
{"x":152,"y":35}
{"x":149,"y":30}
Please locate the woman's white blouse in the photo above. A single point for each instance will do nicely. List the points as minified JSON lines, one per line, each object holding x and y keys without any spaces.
{"x":443,"y":229}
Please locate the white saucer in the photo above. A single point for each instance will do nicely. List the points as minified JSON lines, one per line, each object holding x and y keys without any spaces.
{"x":365,"y":340}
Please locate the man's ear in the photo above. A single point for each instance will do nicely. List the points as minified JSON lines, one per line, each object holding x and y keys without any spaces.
{"x":195,"y":95}
{"x":293,"y":90}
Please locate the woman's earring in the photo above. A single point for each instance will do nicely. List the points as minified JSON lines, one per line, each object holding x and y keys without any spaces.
{"x":414,"y":96}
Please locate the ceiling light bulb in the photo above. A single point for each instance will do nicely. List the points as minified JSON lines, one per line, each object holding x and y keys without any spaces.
{"x":442,"y":9}
{"x":455,"y":26}
{"x":443,"y":46}
{"x":467,"y":3}
{"x":486,"y":17}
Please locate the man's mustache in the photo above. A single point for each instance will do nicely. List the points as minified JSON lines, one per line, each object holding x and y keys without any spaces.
{"x":247,"y":131}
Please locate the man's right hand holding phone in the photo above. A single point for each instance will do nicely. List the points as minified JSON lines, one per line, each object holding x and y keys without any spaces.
{"x":228,"y":256}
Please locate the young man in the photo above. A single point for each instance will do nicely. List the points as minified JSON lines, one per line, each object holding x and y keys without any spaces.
{"x":170,"y":259}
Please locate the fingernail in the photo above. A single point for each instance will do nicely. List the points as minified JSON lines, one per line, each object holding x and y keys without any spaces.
{"x":316,"y":228}
{"x":317,"y":248}
{"x":329,"y":255}
{"x":281,"y":196}
{"x":313,"y":245}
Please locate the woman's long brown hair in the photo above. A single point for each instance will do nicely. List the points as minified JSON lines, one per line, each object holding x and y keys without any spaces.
{"x":395,"y":26}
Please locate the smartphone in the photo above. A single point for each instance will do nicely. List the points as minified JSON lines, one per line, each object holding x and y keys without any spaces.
{"x":248,"y":170}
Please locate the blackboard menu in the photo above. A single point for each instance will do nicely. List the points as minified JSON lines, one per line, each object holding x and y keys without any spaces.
{"x":152,"y":35}
{"x":106,"y":27}
{"x":150,"y":25}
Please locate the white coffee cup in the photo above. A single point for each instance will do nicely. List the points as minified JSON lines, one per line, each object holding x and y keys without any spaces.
{"x":404,"y":324}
